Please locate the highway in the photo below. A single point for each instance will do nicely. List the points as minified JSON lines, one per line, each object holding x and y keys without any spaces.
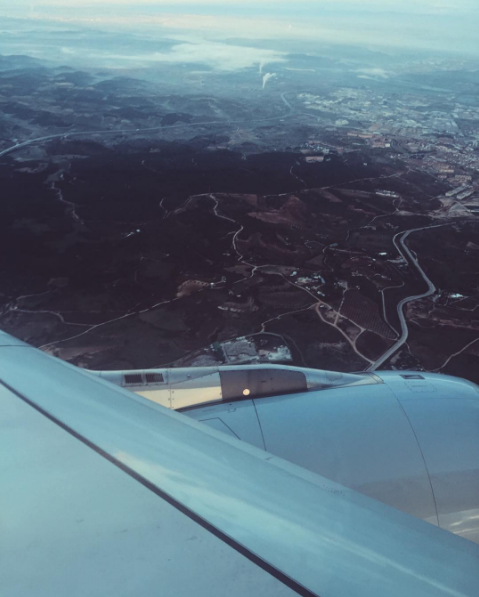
{"x":29,"y":142}
{"x":145,"y":130}
{"x":399,"y":242}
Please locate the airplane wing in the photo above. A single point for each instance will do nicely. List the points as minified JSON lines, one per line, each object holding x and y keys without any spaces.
{"x":107,"y":494}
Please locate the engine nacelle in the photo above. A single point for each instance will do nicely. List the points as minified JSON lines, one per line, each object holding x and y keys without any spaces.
{"x":408,"y":439}
{"x":411,"y":441}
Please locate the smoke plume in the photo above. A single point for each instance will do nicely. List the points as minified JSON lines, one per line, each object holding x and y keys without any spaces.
{"x":267,"y":77}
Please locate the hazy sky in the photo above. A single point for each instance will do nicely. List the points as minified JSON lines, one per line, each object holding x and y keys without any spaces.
{"x":440,"y":25}
{"x":273,"y":7}
{"x":441,"y":5}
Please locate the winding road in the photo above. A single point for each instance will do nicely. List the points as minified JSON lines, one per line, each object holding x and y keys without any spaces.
{"x":399,"y":242}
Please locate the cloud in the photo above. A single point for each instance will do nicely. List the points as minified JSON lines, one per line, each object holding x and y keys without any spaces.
{"x":372,"y":72}
{"x":223,"y":57}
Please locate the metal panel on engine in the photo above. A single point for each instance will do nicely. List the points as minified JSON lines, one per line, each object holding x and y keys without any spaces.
{"x":261,"y":382}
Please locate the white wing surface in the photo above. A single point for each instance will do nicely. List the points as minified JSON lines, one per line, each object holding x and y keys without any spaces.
{"x":105,"y":493}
